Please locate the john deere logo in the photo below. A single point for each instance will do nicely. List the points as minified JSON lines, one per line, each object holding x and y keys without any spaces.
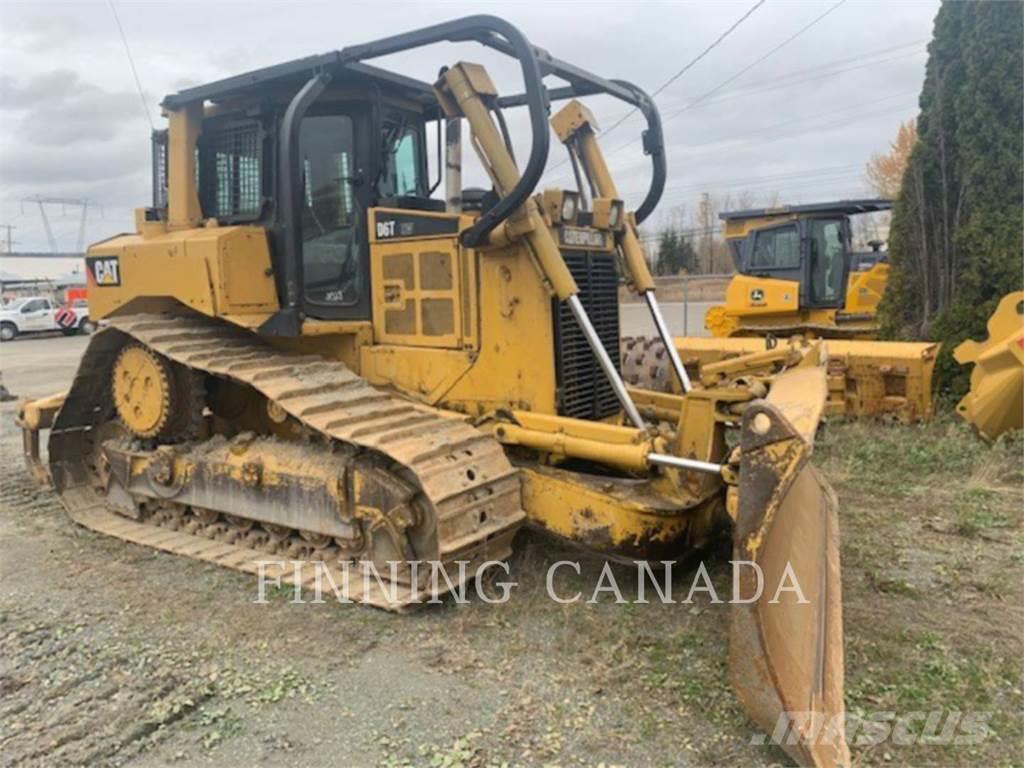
{"x":757,"y":296}
{"x":105,"y":270}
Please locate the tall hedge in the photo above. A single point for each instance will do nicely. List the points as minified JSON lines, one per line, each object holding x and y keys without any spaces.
{"x":957,"y":235}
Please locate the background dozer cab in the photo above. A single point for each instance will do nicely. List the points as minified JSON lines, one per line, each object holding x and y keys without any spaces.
{"x":797,"y":272}
{"x":307,"y":356}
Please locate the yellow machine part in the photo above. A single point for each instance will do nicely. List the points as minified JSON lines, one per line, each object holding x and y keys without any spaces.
{"x":749,"y":298}
{"x":786,"y":647}
{"x":864,"y":289}
{"x":142,"y":390}
{"x":865,"y":378}
{"x":756,"y":306}
{"x":995,"y":403}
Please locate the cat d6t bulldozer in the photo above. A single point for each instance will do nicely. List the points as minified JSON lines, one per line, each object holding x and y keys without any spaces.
{"x":305,"y":354}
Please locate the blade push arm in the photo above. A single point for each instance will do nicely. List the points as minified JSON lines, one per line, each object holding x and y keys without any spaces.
{"x":462,"y":91}
{"x":576,"y":127}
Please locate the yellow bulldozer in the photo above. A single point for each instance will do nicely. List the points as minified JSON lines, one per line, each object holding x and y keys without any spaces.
{"x":798,"y":275}
{"x":306,"y":354}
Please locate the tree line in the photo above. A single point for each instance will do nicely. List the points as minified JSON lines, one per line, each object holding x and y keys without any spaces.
{"x":957,"y":238}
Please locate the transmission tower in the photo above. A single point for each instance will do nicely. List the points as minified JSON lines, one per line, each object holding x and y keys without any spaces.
{"x":64,"y":203}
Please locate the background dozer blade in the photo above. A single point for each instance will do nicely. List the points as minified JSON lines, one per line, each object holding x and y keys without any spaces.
{"x":889,"y":379}
{"x":786,"y":643}
{"x":995,"y":403}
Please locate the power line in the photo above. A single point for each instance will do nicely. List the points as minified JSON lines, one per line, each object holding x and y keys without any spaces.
{"x":759,"y":60}
{"x":677,"y":75}
{"x":764,"y":134}
{"x":755,"y":89}
{"x":764,"y":137}
{"x":756,"y":84}
{"x":788,"y":187}
{"x":784,"y":190}
{"x":744,"y":90}
{"x":763,"y":58}
{"x":768,"y":178}
{"x":652,"y":236}
{"x":689,"y":65}
{"x":131,"y":63}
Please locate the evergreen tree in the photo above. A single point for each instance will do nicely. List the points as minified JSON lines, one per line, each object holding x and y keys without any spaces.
{"x":957,"y":240}
{"x":675,"y":253}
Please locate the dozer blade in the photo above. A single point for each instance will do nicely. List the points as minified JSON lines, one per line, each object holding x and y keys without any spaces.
{"x":995,"y":403}
{"x":786,"y":634}
{"x":33,"y":417}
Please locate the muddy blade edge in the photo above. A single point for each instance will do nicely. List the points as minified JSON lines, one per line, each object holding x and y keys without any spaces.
{"x":786,"y":645}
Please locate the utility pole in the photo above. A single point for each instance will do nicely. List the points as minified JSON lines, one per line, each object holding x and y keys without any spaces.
{"x":705,"y":224}
{"x":8,"y":241}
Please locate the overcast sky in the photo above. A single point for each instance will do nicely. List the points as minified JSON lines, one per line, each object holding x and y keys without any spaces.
{"x":801,"y":123}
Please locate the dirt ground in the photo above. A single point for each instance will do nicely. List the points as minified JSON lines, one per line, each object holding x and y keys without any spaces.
{"x":113,"y":654}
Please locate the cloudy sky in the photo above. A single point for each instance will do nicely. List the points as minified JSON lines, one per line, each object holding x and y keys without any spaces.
{"x":800,"y":123}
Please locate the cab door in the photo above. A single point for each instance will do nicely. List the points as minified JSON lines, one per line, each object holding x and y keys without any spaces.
{"x":827,"y":262}
{"x":333,"y":147}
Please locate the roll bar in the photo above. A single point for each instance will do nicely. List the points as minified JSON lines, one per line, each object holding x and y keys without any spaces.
{"x":494,"y":33}
{"x":536,"y":64}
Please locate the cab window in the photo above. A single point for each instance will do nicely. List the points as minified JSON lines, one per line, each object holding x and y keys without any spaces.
{"x":776,"y":249}
{"x":35,"y":305}
{"x":401,"y":161}
{"x":333,"y":271}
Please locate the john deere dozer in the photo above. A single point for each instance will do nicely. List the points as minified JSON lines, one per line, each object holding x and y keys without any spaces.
{"x":306,"y":355}
{"x":797,"y":274}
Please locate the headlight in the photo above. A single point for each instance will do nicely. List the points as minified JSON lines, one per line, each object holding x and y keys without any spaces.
{"x":614,"y":216}
{"x":568,"y":207}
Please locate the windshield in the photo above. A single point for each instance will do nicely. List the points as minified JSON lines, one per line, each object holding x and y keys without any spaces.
{"x":14,"y":304}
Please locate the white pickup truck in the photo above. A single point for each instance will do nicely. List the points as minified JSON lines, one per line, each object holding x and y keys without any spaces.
{"x":36,"y":314}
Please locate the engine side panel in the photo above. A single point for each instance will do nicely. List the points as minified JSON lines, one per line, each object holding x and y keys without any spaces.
{"x":217,"y":271}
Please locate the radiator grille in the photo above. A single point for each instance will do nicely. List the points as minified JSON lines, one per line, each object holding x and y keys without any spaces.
{"x":583,"y":390}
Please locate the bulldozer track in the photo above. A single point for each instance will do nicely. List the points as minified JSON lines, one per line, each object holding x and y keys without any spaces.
{"x":462,"y":474}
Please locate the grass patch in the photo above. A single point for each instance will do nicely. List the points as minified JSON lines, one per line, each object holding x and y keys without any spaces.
{"x":931,"y":519}
{"x":906,"y":456}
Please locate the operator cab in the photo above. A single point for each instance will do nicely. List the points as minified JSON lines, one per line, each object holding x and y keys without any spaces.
{"x":808,"y":244}
{"x":362,"y":143}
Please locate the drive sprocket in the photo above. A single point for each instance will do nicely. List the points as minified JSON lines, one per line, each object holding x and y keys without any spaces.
{"x":142,"y":385}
